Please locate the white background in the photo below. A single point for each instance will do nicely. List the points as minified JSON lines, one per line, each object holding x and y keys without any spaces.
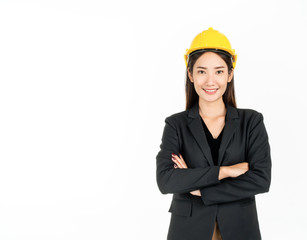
{"x":85,"y":87}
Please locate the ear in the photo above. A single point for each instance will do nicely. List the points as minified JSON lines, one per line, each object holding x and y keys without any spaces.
{"x":190,"y":76}
{"x":230,"y":76}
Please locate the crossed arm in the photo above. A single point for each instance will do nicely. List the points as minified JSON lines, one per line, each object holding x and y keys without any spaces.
{"x":216,"y":184}
{"x":224,"y":171}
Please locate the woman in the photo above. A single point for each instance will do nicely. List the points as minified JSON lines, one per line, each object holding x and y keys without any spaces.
{"x":214,"y":157}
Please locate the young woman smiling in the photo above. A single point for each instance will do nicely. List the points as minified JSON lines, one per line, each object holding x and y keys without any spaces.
{"x":214,"y":157}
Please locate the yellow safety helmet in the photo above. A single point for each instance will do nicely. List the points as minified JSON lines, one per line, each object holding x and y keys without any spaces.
{"x":211,"y":40}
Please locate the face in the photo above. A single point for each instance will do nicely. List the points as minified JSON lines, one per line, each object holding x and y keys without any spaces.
{"x":210,"y":77}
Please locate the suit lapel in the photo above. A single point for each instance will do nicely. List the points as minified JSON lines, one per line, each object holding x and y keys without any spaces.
{"x":200,"y":137}
{"x":196,"y":128}
{"x":231,"y":124}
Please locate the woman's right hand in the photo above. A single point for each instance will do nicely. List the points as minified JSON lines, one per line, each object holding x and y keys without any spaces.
{"x":233,"y":170}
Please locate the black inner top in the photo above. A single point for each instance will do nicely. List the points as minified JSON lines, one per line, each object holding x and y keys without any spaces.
{"x":214,"y":143}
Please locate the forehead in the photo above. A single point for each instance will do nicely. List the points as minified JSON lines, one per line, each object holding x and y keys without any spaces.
{"x":210,"y":59}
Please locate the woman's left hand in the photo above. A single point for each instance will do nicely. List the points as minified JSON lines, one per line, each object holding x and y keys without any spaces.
{"x":180,"y":163}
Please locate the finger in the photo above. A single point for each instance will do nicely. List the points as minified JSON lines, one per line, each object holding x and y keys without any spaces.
{"x":177,"y":163}
{"x":175,"y":166}
{"x":183,"y":162}
{"x":177,"y":160}
{"x":174,"y":159}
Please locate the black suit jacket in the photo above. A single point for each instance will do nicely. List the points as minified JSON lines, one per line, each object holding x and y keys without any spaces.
{"x":231,"y":200}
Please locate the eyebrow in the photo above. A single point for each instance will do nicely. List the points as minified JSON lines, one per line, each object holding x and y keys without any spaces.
{"x":214,"y":67}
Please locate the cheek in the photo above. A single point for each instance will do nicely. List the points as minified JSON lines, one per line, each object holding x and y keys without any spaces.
{"x":223,"y":82}
{"x":198,"y":87}
{"x":198,"y":81}
{"x":222,"y":86}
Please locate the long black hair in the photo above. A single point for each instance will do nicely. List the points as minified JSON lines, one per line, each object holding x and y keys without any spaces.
{"x":191,"y":95}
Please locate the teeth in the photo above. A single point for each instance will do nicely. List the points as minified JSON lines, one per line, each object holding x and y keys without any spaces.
{"x":210,"y":90}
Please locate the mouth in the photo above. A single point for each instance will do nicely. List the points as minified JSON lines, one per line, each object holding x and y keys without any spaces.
{"x":210,"y":91}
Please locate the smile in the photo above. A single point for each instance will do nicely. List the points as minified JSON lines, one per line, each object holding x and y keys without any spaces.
{"x":210,"y":91}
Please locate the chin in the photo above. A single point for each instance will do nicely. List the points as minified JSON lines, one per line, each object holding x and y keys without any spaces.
{"x":213,"y":99}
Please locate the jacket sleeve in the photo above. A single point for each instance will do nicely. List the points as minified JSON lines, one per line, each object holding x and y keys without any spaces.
{"x":175,"y":180}
{"x":256,"y":180}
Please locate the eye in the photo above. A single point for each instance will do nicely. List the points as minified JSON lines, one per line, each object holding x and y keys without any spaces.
{"x":219,"y":72}
{"x":201,"y":71}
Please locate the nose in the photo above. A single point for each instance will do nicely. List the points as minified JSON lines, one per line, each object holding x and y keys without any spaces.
{"x":210,"y":79}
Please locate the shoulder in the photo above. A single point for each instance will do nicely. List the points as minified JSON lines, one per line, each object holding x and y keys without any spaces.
{"x":250,"y":117}
{"x":177,"y":117}
{"x":249,"y":113}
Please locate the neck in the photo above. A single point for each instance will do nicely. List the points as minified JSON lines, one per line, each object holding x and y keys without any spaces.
{"x":212,"y":109}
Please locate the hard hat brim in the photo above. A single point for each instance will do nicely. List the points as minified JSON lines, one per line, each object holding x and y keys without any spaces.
{"x":216,"y":50}
{"x":211,"y":50}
